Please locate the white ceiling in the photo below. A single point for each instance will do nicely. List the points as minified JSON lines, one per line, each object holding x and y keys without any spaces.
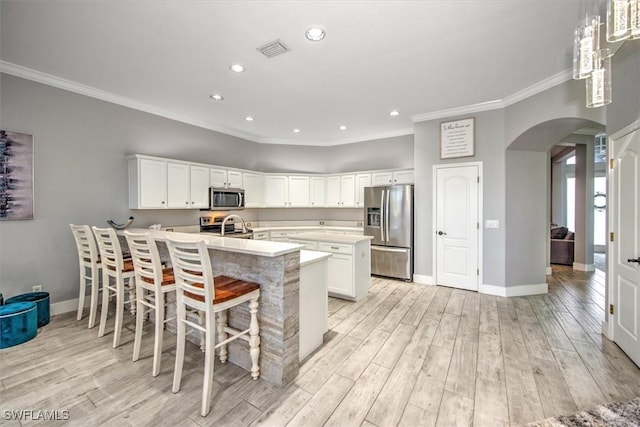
{"x":419,"y":57}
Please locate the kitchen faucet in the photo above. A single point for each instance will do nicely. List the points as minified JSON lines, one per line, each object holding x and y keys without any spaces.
{"x":224,"y":221}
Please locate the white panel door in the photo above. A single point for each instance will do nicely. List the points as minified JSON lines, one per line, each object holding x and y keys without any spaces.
{"x":153,"y":183}
{"x":333,"y":191}
{"x":403,"y":177}
{"x":318,"y":191}
{"x":276,"y":191}
{"x":253,"y":189}
{"x":347,"y":191}
{"x":381,"y":178}
{"x":457,"y":216}
{"x":218,"y":178}
{"x":199,"y":183}
{"x":234,"y":179}
{"x":299,"y":191}
{"x":625,"y":249}
{"x":178,"y":186}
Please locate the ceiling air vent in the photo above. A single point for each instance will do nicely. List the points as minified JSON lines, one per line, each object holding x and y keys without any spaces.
{"x":272,"y":49}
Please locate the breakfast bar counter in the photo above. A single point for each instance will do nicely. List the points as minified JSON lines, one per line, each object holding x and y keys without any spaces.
{"x":276,"y":267}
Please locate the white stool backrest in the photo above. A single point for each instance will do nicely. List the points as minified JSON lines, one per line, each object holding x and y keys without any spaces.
{"x":193,"y":273}
{"x":86,"y":244}
{"x":146,"y":258}
{"x":110,"y":250}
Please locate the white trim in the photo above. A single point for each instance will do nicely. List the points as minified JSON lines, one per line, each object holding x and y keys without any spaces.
{"x":625,"y":131}
{"x":66,"y":306}
{"x":514,"y":291}
{"x":607,"y":329}
{"x":369,"y":137}
{"x":497,"y":104}
{"x":583,"y":267}
{"x":423,"y":279}
{"x":549,"y":271}
{"x":436,"y":167}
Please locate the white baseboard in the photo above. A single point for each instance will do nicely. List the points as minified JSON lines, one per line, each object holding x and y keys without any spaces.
{"x":583,"y":267}
{"x":606,"y":331}
{"x":422,"y":279}
{"x":66,"y":306}
{"x":549,"y":271}
{"x":514,"y":291}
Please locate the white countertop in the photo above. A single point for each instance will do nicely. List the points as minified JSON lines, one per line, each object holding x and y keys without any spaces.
{"x":245,"y":246}
{"x":309,"y":257}
{"x":350,"y":239}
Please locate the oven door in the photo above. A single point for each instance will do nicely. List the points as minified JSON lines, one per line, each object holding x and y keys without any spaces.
{"x":226,"y":199}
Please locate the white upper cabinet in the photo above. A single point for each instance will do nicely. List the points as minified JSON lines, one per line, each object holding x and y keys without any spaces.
{"x":392,"y":177}
{"x":199,"y":186}
{"x":147,"y":184}
{"x":286,"y":191}
{"x":225,"y":178}
{"x":253,"y":189}
{"x":341,"y":191}
{"x":178,"y":185}
{"x":362,"y":180}
{"x":318,"y":191}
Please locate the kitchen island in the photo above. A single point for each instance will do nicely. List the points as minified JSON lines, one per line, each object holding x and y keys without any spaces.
{"x":276,"y":267}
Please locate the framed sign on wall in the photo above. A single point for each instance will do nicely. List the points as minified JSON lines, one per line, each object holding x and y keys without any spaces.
{"x":457,"y":138}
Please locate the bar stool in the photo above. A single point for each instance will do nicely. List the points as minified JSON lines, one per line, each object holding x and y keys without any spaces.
{"x":152,"y":283}
{"x":90,"y":270}
{"x":114,"y":266}
{"x":196,"y":288}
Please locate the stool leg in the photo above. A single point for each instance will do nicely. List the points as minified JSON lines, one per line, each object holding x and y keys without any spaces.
{"x":181,"y":316}
{"x":222,"y":335}
{"x":254,"y":339}
{"x":202,"y":334}
{"x":119,"y":312}
{"x":157,"y":347}
{"x":209,"y":356}
{"x":104,"y":310}
{"x":137,"y":340}
{"x":95,"y":290}
{"x":131,"y":285}
{"x":83,"y":285}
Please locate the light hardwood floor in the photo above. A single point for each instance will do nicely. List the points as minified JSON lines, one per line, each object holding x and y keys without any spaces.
{"x":407,"y":355}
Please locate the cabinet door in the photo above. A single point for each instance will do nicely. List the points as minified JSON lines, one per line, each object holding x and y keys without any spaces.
{"x":253,"y":189}
{"x":153,"y":184}
{"x":403,"y":177}
{"x":347,"y":191}
{"x":341,"y":275}
{"x":362,"y":180}
{"x":333,"y":191}
{"x":234,"y":179}
{"x":298,"y":191}
{"x":381,"y":178}
{"x":318,"y":191}
{"x":199,"y":186}
{"x":178,"y":185}
{"x":218,"y":178}
{"x":276,"y":191}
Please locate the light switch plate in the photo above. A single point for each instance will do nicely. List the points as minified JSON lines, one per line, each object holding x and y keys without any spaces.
{"x":491,"y":223}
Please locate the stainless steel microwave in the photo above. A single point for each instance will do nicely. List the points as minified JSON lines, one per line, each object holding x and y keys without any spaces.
{"x":226,"y":199}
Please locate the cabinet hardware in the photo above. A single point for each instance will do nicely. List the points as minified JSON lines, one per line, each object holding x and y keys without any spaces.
{"x":335,"y":247}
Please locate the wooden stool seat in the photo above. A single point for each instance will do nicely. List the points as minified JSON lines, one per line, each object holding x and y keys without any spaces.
{"x":227,"y":288}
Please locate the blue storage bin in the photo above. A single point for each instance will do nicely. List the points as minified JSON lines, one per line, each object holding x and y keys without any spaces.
{"x":18,"y":323}
{"x":42,"y":301}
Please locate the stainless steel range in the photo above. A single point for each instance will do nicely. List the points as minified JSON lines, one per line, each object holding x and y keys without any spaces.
{"x":225,"y":226}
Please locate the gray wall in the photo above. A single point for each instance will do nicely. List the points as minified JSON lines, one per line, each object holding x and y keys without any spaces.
{"x":81,"y":175}
{"x":489,"y":128}
{"x":527,"y":214}
{"x":625,"y":106}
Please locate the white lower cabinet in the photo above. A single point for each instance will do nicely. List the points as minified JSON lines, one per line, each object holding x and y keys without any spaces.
{"x":260,"y":235}
{"x":340,"y":274}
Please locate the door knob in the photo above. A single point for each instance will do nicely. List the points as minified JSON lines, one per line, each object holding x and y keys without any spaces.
{"x":441,"y":233}
{"x":634,"y":260}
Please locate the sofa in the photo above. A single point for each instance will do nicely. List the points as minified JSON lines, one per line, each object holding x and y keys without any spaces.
{"x":562,"y":245}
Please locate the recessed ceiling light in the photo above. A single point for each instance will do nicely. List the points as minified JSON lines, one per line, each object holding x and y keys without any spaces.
{"x":237,"y":68}
{"x":343,"y":127}
{"x":315,"y":34}
{"x":296,"y":131}
{"x":249,"y":118}
{"x":216,"y":97}
{"x":394,"y":113}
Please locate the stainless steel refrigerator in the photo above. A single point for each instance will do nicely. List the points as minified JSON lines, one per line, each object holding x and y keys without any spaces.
{"x":389,"y":220}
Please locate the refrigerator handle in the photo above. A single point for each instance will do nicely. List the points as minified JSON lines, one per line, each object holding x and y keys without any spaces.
{"x":386,"y":211}
{"x":382,"y":214}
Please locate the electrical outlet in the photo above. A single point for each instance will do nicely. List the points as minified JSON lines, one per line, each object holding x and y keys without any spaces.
{"x":359,"y":223}
{"x":36,"y":288}
{"x":321,"y":222}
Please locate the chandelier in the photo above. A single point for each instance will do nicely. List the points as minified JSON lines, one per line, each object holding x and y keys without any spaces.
{"x":592,"y":62}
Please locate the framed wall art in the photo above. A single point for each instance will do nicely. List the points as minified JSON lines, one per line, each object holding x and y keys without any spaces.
{"x":457,"y":138}
{"x":16,"y":175}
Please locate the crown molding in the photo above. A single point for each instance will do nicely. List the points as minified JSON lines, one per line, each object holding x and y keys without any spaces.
{"x":534,"y":89}
{"x":368,"y":137}
{"x":71,"y":86}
